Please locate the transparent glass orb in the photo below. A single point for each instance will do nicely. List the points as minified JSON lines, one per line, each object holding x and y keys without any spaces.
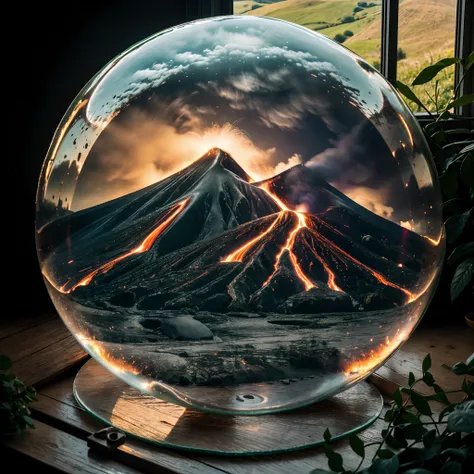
{"x":239,"y":215}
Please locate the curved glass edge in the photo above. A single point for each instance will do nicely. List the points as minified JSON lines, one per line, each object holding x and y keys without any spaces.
{"x":298,"y":447}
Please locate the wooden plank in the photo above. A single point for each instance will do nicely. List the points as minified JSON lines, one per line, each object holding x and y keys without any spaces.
{"x":51,"y":362}
{"x":57,"y":402}
{"x":64,"y":452}
{"x":446,"y":345}
{"x":33,"y":339}
{"x":11,"y":326}
{"x":67,"y":415}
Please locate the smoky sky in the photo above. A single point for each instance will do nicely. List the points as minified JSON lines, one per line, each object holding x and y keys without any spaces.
{"x":271,"y":94}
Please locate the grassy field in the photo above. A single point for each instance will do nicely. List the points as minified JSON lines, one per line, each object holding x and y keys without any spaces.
{"x":426,"y":32}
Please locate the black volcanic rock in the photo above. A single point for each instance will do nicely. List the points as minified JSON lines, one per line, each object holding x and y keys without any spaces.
{"x":186,"y":328}
{"x":318,"y":300}
{"x":283,"y":284}
{"x":123,"y":298}
{"x":193,"y":266}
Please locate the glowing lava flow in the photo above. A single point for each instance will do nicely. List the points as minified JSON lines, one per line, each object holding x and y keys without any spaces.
{"x":376,"y":356}
{"x":115,"y":364}
{"x":374,"y":273}
{"x":146,"y":245}
{"x":331,"y":277}
{"x":301,"y":223}
{"x":240,"y":253}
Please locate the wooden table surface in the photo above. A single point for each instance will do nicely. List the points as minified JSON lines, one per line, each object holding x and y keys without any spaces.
{"x":47,"y":356}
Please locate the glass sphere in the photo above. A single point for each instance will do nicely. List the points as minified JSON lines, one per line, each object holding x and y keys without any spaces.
{"x":239,"y":215}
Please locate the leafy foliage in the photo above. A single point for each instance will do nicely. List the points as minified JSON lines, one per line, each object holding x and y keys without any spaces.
{"x":416,"y":441}
{"x":453,"y":151}
{"x":14,"y":400}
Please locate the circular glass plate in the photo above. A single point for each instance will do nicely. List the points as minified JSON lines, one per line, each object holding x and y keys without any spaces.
{"x":113,"y":402}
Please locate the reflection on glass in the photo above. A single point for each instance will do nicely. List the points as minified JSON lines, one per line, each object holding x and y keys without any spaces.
{"x":420,"y":47}
{"x":356,"y":24}
{"x":239,"y":215}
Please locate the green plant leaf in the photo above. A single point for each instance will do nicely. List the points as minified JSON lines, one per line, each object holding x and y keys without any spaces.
{"x":385,"y":454}
{"x":440,"y":395}
{"x":462,"y":277}
{"x":394,"y":443}
{"x":426,"y":364}
{"x":451,"y":467}
{"x":357,"y":445}
{"x":408,"y":93}
{"x":397,"y":397}
{"x":327,"y":435}
{"x":467,"y":148}
{"x":420,"y":404}
{"x":467,"y":170}
{"x":408,"y":417}
{"x":461,"y":419}
{"x":415,"y":431}
{"x":455,"y":225}
{"x":468,"y":62}
{"x":449,"y":182}
{"x":460,"y":368}
{"x":411,"y":379}
{"x":456,"y":454}
{"x":428,"y":438}
{"x":385,"y":466}
{"x":460,"y":252}
{"x":431,"y":71}
{"x":418,"y":470}
{"x":460,"y":101}
{"x":5,"y":362}
{"x":28,"y":421}
{"x":428,"y":379}
{"x":334,"y":461}
{"x":470,"y":360}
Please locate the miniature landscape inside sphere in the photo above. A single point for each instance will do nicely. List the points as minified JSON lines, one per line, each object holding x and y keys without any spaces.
{"x":239,"y":215}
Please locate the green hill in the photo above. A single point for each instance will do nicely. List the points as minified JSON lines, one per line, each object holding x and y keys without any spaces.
{"x":418,"y":19}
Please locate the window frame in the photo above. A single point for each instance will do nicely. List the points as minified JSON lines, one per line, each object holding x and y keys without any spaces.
{"x":463,"y":46}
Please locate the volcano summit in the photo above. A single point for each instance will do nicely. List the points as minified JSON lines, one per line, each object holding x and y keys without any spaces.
{"x":207,"y":278}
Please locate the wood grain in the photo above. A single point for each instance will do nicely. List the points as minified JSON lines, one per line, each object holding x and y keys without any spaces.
{"x":446,"y":345}
{"x":120,"y":405}
{"x":64,"y":452}
{"x":69,"y":417}
{"x":51,"y":362}
{"x":42,"y":349}
{"x":10,"y":326}
{"x":57,"y":402}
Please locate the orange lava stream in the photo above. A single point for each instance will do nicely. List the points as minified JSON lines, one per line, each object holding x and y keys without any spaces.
{"x":331,"y":277}
{"x":146,"y":245}
{"x":301,"y":223}
{"x":240,"y":253}
{"x":115,"y":364}
{"x":376,"y":356}
{"x":434,"y":242}
{"x":376,"y":274}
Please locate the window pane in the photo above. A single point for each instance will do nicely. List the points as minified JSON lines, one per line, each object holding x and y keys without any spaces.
{"x":426,"y":32}
{"x":354,"y":23}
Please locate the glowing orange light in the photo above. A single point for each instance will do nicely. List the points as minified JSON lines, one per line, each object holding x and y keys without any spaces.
{"x":435,"y":242}
{"x":300,"y":223}
{"x":146,"y":244}
{"x":240,"y":253}
{"x":376,"y":356}
{"x":115,"y":363}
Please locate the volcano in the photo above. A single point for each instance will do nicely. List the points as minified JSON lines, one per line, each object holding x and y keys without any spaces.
{"x":207,"y":253}
{"x":208,"y":237}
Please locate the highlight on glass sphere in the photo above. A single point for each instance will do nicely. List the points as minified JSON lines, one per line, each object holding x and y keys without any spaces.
{"x":239,"y":215}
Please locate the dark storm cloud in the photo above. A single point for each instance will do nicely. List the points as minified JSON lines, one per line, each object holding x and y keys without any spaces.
{"x":274,"y":100}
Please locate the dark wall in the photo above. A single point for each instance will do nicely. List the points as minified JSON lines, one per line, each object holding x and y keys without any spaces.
{"x":59,"y":47}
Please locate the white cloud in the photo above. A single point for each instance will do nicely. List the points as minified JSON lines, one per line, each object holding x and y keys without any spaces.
{"x":284,"y":165}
